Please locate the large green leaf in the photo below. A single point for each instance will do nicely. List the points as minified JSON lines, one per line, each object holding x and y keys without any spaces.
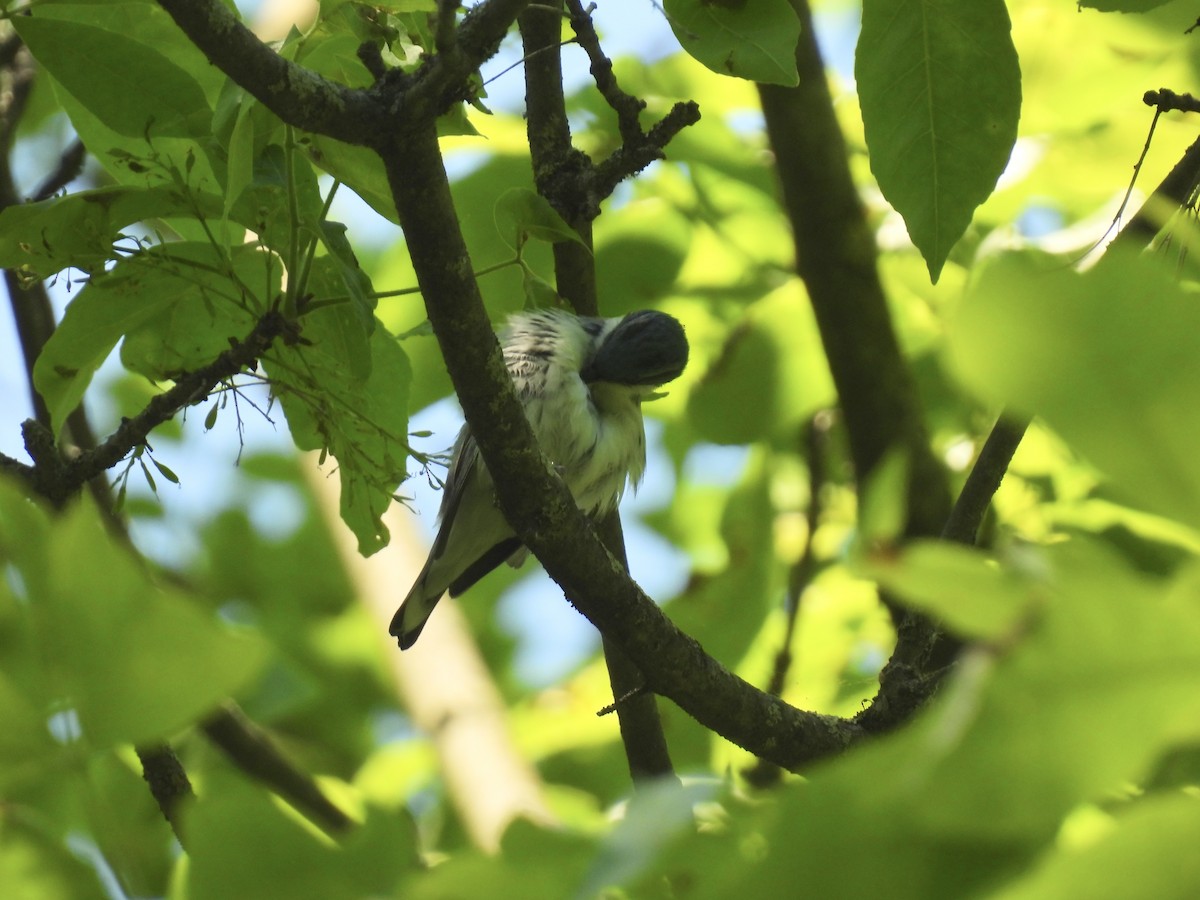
{"x":361,"y":419}
{"x":149,"y":287}
{"x":1102,"y":677}
{"x":753,"y":39}
{"x":1123,"y":6}
{"x":1147,"y":852}
{"x":39,"y":239}
{"x":940,"y":89}
{"x":115,"y":651}
{"x":1107,"y":358}
{"x":241,"y":844}
{"x":131,"y":86}
{"x":206,"y":308}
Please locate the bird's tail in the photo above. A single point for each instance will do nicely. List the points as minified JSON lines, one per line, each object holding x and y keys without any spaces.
{"x":414,"y":612}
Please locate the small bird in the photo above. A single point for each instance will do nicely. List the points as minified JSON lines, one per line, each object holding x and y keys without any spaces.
{"x":581,"y":381}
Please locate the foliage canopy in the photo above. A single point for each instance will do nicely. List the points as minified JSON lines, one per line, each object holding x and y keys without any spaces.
{"x":868,"y":273}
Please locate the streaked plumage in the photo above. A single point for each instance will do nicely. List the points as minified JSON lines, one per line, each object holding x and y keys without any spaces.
{"x":581,"y":382}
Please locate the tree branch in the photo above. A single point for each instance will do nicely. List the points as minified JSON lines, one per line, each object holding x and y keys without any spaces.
{"x":57,"y":479}
{"x":299,"y":96}
{"x":984,"y":479}
{"x":251,"y":749}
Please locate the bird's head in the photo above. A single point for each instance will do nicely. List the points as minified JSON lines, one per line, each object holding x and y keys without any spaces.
{"x":644,"y":349}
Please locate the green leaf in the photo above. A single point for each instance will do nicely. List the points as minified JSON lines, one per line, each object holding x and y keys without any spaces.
{"x":243,"y":844}
{"x":522,"y":213}
{"x":884,"y":505}
{"x":940,"y":90}
{"x":358,"y":168}
{"x":131,"y":86}
{"x":639,"y":254}
{"x":37,"y":863}
{"x":752,"y":39}
{"x":363,"y":422}
{"x":960,"y":586}
{"x":1106,"y":358}
{"x":99,"y":605}
{"x":768,"y":377}
{"x":39,"y":239}
{"x":1150,"y":845}
{"x":1123,"y":6}
{"x":539,"y":293}
{"x":94,"y":322}
{"x":204,"y":308}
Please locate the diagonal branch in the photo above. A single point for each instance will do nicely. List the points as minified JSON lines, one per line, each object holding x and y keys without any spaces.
{"x":299,"y":96}
{"x":540,"y":507}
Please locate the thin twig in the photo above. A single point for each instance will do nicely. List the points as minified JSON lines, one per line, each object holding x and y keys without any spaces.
{"x":984,"y":479}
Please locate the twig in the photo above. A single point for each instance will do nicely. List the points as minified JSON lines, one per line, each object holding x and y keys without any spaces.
{"x":984,"y":479}
{"x":169,"y":783}
{"x":70,"y":164}
{"x":192,"y":388}
{"x":626,"y":106}
{"x":251,"y":749}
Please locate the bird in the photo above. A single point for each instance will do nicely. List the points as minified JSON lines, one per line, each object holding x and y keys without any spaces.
{"x":581,"y":381}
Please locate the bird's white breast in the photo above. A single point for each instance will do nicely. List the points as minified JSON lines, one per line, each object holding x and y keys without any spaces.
{"x":593,"y":434}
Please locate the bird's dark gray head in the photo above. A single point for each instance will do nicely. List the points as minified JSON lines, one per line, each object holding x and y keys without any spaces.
{"x":647,"y":348}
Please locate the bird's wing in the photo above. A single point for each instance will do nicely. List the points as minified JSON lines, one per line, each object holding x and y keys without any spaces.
{"x":473,"y":539}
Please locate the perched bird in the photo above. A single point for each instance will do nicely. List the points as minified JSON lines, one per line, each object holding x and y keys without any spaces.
{"x":581,"y":382}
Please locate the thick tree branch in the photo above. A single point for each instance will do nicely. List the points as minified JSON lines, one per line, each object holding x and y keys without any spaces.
{"x":835,"y":255}
{"x":575,"y":270}
{"x":299,"y":96}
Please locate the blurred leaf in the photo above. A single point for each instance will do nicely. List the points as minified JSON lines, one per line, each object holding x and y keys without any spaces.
{"x":133,"y":87}
{"x":754,"y":40}
{"x":100,"y":607}
{"x":35,"y":864}
{"x":770,"y":376}
{"x":522,"y":213}
{"x":937,"y":147}
{"x":129,"y":827}
{"x":638,"y":255}
{"x":534,"y":862}
{"x":1106,"y":358}
{"x":883,"y":507}
{"x":1123,"y":6}
{"x":1147,"y":854}
{"x":656,"y":816}
{"x":242,"y":844}
{"x":959,"y":586}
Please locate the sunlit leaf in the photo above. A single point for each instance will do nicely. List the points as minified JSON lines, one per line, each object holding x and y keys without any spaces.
{"x":754,"y":40}
{"x":522,"y":213}
{"x":940,"y":90}
{"x":39,"y":239}
{"x":133,"y":87}
{"x":1106,"y":358}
